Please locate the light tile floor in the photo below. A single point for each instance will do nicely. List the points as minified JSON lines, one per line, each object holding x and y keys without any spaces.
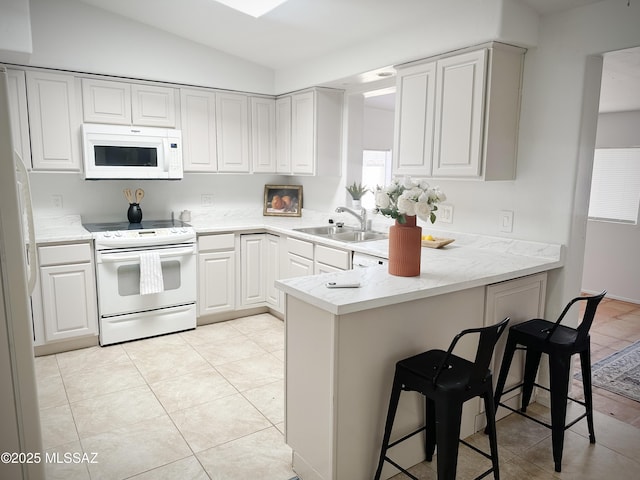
{"x":208,"y":404}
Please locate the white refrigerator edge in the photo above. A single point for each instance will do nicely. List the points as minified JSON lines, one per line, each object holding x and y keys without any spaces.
{"x":19,"y":413}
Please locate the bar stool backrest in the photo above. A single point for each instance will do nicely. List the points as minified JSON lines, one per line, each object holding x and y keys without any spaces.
{"x":488,"y":338}
{"x":587,"y":319}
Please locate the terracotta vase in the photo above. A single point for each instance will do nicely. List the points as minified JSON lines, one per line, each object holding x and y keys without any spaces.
{"x":404,"y":248}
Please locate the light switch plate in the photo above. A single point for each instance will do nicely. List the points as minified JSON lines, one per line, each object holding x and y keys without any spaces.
{"x":207,"y":199}
{"x":445,"y":213}
{"x":56,"y":200}
{"x":506,"y":221}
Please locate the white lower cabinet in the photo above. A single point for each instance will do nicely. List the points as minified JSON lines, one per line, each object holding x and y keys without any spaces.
{"x":68,"y":287}
{"x":299,"y":261}
{"x":521,"y":299}
{"x":328,"y":259}
{"x":253,"y":276}
{"x":260,"y":266}
{"x":216,"y":274}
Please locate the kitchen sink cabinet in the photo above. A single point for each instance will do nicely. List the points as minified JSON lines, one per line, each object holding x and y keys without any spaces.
{"x":306,"y":258}
{"x":54,"y":121}
{"x":315,"y":132}
{"x":232,"y":128}
{"x":198,"y":120}
{"x":67,"y":278}
{"x":216,"y":274}
{"x":18,"y":114}
{"x":457,"y":115}
{"x":122,"y":103}
{"x":263,"y":134}
{"x":329,"y":259}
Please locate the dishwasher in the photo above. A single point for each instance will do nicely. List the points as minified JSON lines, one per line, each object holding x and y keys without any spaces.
{"x":364,"y":260}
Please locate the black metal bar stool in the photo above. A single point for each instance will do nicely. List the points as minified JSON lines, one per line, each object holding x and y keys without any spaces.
{"x":559,"y":342}
{"x":446,"y":381}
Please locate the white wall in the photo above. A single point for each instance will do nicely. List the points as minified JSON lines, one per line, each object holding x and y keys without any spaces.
{"x":378,"y":129}
{"x":71,"y":35}
{"x":612,"y":250}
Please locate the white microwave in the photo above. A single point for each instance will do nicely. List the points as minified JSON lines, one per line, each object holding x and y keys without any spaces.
{"x":125,"y":152}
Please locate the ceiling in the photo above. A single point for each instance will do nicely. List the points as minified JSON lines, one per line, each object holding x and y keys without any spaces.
{"x":299,"y":30}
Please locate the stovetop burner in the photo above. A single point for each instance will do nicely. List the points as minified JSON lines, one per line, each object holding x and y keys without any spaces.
{"x":144,"y":225}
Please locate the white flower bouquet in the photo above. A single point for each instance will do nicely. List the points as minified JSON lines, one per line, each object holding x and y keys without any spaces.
{"x":406,"y":197}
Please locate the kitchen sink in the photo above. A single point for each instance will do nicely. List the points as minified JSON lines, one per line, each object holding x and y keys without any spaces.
{"x":325,"y":230}
{"x":343,"y":234}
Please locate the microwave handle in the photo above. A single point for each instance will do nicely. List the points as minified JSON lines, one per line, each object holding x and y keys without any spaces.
{"x":133,"y":256}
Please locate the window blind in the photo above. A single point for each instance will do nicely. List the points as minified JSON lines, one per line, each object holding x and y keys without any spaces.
{"x":615,"y":185}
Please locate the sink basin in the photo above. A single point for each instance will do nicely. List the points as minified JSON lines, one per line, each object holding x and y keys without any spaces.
{"x":325,"y":230}
{"x":343,"y":234}
{"x":358,"y":236}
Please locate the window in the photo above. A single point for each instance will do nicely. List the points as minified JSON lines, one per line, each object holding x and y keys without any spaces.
{"x":376,"y":170}
{"x":615,"y":185}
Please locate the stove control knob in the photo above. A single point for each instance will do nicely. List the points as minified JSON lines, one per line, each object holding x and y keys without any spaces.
{"x":173,"y":230}
{"x":118,"y":234}
{"x":107,"y":234}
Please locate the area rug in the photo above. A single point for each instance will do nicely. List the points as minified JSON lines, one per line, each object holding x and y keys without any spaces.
{"x":619,"y":372}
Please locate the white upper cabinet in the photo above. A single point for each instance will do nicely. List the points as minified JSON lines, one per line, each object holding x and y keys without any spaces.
{"x":106,"y":102}
{"x":18,"y":114}
{"x":198,"y":120}
{"x":458,"y":129}
{"x":414,"y":120}
{"x":232,"y":126}
{"x":263,"y":134}
{"x":457,"y":116}
{"x":283,"y":135}
{"x":122,"y":103}
{"x":153,"y":106}
{"x":316,"y":131}
{"x":54,"y":122}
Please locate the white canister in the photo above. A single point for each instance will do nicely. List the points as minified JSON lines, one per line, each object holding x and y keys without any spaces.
{"x":185,"y":216}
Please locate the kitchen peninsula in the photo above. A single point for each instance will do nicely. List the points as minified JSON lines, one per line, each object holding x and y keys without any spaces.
{"x":342,"y":345}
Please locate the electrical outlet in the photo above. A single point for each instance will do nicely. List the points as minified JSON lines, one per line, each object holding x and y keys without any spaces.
{"x":56,"y":200}
{"x":207,"y":199}
{"x":445,"y":213}
{"x":506,"y":221}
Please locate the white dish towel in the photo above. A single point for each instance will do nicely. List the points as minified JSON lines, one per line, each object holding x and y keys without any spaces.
{"x":151,"y":280}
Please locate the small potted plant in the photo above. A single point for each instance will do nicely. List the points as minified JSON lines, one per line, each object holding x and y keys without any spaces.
{"x":357,"y":190}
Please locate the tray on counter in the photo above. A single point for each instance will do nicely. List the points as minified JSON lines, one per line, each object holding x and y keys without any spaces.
{"x":437,"y":242}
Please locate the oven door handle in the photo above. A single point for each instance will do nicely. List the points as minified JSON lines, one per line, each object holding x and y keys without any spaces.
{"x":133,"y":256}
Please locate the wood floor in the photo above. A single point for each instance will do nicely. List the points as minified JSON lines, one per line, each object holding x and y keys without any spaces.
{"x":617,"y":325}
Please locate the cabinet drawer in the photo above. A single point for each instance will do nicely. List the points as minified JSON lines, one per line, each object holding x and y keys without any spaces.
{"x":333,"y":257}
{"x":300,"y":247}
{"x":225,"y":241}
{"x":64,"y":254}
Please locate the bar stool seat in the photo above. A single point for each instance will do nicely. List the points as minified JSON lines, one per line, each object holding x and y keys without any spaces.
{"x":559,"y":342}
{"x":446,"y":381}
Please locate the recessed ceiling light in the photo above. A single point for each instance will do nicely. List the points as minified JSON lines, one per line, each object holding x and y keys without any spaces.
{"x":255,"y":8}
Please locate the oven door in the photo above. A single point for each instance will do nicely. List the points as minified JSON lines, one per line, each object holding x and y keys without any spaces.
{"x":119,"y":280}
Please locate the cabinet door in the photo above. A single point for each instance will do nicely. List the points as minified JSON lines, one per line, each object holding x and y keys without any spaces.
{"x":69,"y":301}
{"x":106,"y":102}
{"x":303,"y":145}
{"x":18,"y":115}
{"x":252,"y":261}
{"x":324,"y":268}
{"x":414,"y":121}
{"x":216,"y":282}
{"x":459,"y":107}
{"x":54,"y":121}
{"x":153,"y":106}
{"x":232,"y":125}
{"x":272,"y":271}
{"x":263,"y":131}
{"x":298,"y":266}
{"x":198,"y":116}
{"x":521,"y":299}
{"x":283,"y":135}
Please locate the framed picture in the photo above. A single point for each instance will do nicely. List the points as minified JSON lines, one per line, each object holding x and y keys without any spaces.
{"x":283,"y":200}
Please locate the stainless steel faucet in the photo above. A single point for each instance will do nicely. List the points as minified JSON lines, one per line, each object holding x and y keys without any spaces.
{"x":362,"y":216}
